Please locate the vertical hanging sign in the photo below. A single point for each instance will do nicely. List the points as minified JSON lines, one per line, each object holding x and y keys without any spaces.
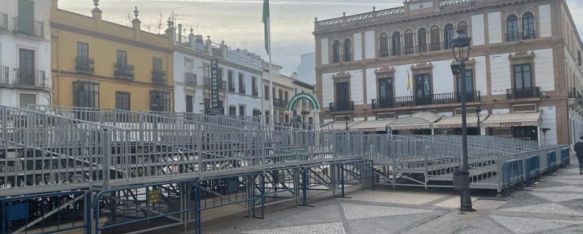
{"x":215,"y":85}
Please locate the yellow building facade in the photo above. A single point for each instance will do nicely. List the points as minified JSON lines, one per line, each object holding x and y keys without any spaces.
{"x":101,"y":64}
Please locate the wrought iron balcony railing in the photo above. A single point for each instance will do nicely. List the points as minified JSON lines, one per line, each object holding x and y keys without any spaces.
{"x":434,"y":99}
{"x":280,"y":103}
{"x":519,"y":93}
{"x":517,"y":36}
{"x":30,"y":78}
{"x":339,"y":107}
{"x":125,"y":71}
{"x":384,"y":53}
{"x":84,"y":65}
{"x":158,"y":77}
{"x":28,"y":26}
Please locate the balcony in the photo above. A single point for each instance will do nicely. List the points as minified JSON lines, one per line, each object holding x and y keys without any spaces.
{"x":124,"y":71}
{"x":84,"y":65}
{"x":190,"y":79}
{"x":384,"y":53}
{"x":435,"y":99}
{"x":28,"y":26}
{"x":4,"y":22}
{"x":531,"y":92}
{"x":517,"y":36}
{"x":158,"y":77}
{"x":30,"y":78}
{"x":341,"y":107}
{"x":280,"y":103}
{"x":232,"y":88}
{"x":255,"y":92}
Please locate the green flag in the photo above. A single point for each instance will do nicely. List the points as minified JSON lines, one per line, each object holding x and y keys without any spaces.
{"x":266,"y":25}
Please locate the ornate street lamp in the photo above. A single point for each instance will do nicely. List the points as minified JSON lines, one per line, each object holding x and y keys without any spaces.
{"x":461,"y":182}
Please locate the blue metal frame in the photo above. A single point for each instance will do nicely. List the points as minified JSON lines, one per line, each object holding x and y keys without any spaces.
{"x":5,"y":223}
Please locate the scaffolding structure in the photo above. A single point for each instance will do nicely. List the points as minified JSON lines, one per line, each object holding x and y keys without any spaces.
{"x":109,"y":170}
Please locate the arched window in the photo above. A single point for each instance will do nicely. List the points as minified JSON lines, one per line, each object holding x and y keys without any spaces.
{"x":422,"y":40}
{"x":383,"y":45}
{"x":463,"y":26}
{"x":448,"y":34}
{"x":347,"y":50}
{"x":336,"y":51}
{"x":512,"y":28}
{"x":396,"y":44}
{"x":528,"y":26}
{"x":435,"y":39}
{"x":409,"y":43}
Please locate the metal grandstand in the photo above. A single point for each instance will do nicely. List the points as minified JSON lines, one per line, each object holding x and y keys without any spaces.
{"x":103,"y":171}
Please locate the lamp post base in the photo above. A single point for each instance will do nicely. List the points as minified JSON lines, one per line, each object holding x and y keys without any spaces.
{"x":466,"y":201}
{"x":461,"y":183}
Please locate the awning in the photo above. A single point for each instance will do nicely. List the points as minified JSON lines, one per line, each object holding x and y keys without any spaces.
{"x":456,"y":121}
{"x":372,"y":126}
{"x":420,"y":120}
{"x":513,"y":120}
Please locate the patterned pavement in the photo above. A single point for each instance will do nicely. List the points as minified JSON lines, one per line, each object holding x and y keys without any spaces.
{"x":553,"y":205}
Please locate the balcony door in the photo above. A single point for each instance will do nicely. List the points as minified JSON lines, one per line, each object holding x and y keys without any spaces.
{"x":522,"y":80}
{"x":386,"y":96}
{"x":342,"y":96}
{"x":468,"y":76}
{"x":26,"y":67}
{"x":423,"y":89}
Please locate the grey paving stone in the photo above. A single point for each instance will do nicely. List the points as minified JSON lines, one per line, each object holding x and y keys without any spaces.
{"x":548,"y":209}
{"x":324,"y":228}
{"x":529,"y":225}
{"x":568,"y":189}
{"x":357,"y":211}
{"x":453,"y":222}
{"x":557,"y":197}
{"x":385,"y":225}
{"x":523,"y":199}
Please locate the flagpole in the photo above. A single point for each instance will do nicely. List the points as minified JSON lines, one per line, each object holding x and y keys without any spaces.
{"x":270,"y":69}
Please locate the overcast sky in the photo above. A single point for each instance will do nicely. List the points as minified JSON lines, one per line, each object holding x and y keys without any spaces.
{"x":238,"y":22}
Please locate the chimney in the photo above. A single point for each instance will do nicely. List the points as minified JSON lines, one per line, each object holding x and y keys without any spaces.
{"x":191,"y":38}
{"x":96,"y":12}
{"x":180,"y":33}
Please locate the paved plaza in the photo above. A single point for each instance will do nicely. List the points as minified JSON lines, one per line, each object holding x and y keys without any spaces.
{"x":553,"y":205}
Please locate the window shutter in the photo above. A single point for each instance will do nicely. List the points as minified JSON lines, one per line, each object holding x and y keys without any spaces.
{"x":26,"y":16}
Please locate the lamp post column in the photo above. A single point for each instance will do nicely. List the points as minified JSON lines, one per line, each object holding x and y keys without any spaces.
{"x":465,"y":199}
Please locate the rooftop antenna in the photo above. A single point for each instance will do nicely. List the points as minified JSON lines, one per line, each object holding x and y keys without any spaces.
{"x":160,"y":22}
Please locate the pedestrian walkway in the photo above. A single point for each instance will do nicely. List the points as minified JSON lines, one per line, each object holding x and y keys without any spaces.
{"x":552,"y":205}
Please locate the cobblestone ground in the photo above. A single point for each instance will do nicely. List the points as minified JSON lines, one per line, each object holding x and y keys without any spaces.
{"x":553,"y":205}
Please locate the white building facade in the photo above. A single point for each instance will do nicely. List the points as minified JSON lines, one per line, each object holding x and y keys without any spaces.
{"x":392,"y":69}
{"x":307,"y":68}
{"x":25,"y":53}
{"x":241,"y":89}
{"x":279,"y":92}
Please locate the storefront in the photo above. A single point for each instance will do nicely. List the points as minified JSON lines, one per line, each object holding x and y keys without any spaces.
{"x":514,"y":125}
